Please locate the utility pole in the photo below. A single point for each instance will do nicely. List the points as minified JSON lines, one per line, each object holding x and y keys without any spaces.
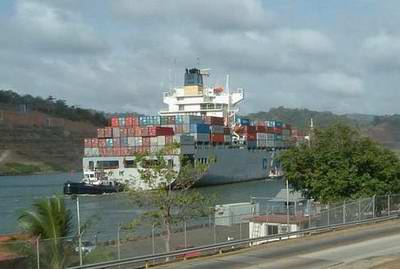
{"x":287,"y":204}
{"x":79,"y":230}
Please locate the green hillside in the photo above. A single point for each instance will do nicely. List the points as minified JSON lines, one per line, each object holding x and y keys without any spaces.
{"x":384,"y":129}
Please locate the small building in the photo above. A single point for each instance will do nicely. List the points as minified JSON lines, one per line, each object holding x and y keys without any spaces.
{"x":229,"y":214}
{"x":265,"y":225}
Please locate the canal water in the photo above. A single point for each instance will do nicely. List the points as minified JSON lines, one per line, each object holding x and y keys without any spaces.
{"x":104,"y":212}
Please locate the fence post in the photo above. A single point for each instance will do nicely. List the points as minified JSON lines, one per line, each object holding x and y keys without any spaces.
{"x":37,"y":252}
{"x":344,"y":212}
{"x":309,"y":213}
{"x":373,"y":207}
{"x":328,"y":214}
{"x":153,"y":240}
{"x":185,"y":234}
{"x":215,"y":233}
{"x":240,"y":228}
{"x":388,"y":205}
{"x":118,"y":242}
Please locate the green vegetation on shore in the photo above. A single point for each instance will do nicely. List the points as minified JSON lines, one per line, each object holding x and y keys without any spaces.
{"x":17,"y":169}
{"x":339,"y":163}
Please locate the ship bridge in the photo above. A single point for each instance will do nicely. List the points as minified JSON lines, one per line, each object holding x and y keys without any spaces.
{"x":195,"y":99}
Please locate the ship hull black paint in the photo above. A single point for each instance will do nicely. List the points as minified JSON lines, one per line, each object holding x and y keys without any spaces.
{"x":83,"y":188}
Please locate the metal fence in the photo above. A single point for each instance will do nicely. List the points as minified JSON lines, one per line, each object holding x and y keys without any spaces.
{"x":122,"y":242}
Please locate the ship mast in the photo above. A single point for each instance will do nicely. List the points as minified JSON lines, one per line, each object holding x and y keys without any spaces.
{"x":229,"y":100}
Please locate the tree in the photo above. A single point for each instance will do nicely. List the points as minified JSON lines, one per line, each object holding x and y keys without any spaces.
{"x":170,"y":200}
{"x":339,"y":163}
{"x":49,"y":219}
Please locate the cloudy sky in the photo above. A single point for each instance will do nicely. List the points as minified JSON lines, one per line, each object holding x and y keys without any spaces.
{"x":120,"y":55}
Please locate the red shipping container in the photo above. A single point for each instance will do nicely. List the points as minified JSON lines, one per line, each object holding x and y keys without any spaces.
{"x":277,"y":130}
{"x":102,"y":143}
{"x":128,"y":122}
{"x":144,"y":131}
{"x":146,"y":141}
{"x":114,"y":122}
{"x":116,"y":151}
{"x":217,"y":138}
{"x":116,"y":142}
{"x":123,"y":132}
{"x":159,"y":131}
{"x":251,"y":136}
{"x":87,"y":142}
{"x":124,"y":151}
{"x":217,"y":121}
{"x":95,"y":143}
{"x":261,"y":129}
{"x":107,"y":132}
{"x":100,"y":133}
{"x":270,"y":130}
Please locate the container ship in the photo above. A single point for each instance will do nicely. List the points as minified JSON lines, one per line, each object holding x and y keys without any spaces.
{"x":205,"y":123}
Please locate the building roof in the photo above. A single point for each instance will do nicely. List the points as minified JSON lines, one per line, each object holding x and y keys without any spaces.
{"x":280,"y":218}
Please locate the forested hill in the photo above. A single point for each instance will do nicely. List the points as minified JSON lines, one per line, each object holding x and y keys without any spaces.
{"x":50,"y":106}
{"x":384,"y":129}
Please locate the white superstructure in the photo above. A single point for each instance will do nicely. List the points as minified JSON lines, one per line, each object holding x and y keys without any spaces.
{"x":195,"y":99}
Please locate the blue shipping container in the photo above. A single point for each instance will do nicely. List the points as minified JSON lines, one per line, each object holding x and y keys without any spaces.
{"x":243,"y":121}
{"x":200,"y":128}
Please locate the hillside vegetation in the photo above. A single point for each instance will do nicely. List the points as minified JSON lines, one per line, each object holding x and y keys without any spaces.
{"x":383,"y":129}
{"x":42,"y":135}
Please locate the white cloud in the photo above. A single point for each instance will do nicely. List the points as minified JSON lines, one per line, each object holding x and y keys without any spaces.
{"x":382,"y":52}
{"x":337,"y":84}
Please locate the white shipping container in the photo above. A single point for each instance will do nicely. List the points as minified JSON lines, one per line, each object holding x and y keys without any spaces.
{"x":270,"y":137}
{"x":261,"y":136}
{"x":88,"y":152}
{"x":217,"y":129}
{"x":184,"y":139}
{"x":153,"y":141}
{"x":261,"y":143}
{"x":227,"y":138}
{"x":116,"y":132}
{"x":138,"y":141}
{"x":161,"y":140}
{"x":131,"y":141}
{"x":154,"y":149}
{"x":95,"y":152}
{"x":198,"y":137}
{"x":270,"y":143}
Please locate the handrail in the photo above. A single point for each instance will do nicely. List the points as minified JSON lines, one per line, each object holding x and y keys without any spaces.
{"x":218,"y":246}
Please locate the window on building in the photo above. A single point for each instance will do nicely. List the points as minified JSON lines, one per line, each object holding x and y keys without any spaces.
{"x":272,"y":229}
{"x":107,"y":164}
{"x":179,"y":98}
{"x":130,"y":164}
{"x":181,"y":107}
{"x":91,"y":165}
{"x":170,"y":163}
{"x":149,"y":163}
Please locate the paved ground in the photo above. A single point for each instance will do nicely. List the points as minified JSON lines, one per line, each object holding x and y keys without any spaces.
{"x":370,"y":246}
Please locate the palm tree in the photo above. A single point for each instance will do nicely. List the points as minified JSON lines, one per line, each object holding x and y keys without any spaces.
{"x":49,"y":219}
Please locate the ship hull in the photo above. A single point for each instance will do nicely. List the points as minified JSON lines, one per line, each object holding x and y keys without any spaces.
{"x":229,"y":165}
{"x":226,"y":165}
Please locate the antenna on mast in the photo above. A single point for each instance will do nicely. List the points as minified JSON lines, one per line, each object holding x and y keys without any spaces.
{"x":229,"y":100}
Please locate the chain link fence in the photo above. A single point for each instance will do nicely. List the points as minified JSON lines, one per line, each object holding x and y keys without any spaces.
{"x":269,"y":217}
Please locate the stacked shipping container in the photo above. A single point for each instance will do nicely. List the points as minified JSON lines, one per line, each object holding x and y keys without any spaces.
{"x":128,"y":135}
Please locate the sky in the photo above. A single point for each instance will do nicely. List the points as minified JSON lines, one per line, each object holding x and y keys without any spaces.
{"x":121,"y":55}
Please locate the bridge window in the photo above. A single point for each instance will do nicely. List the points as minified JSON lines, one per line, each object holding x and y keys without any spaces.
{"x":272,"y":229}
{"x":108,"y":164}
{"x":130,"y":164}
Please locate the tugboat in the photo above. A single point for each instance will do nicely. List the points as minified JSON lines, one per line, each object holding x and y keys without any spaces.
{"x":92,"y":185}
